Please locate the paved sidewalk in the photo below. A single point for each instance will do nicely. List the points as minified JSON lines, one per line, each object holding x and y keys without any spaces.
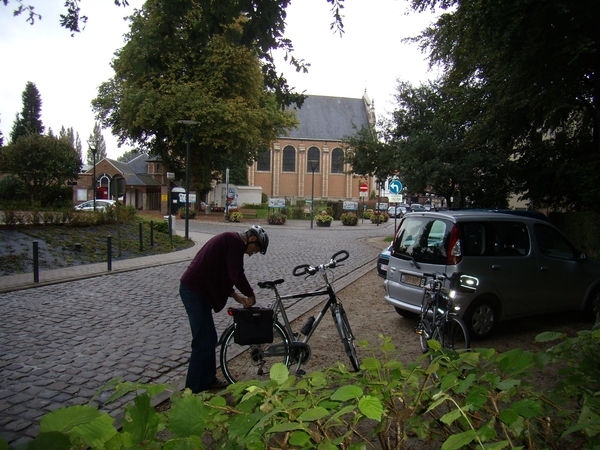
{"x":47,"y":277}
{"x":86,"y":325}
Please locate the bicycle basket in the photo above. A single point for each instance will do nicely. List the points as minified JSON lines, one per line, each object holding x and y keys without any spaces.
{"x":252,"y":325}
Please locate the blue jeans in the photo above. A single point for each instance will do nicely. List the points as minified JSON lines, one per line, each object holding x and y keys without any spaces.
{"x":202,"y":369}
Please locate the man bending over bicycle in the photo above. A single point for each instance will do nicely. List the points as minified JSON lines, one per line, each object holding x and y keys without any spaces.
{"x":205,"y":286}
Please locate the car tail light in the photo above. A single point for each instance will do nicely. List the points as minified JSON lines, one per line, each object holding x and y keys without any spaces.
{"x":454,"y":249}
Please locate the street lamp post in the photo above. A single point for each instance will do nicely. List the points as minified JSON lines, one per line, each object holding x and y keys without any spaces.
{"x":313,"y":166}
{"x":93,"y":144}
{"x":187,"y":176}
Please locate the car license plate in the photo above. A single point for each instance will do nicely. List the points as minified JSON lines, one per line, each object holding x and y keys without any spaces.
{"x":412,"y":280}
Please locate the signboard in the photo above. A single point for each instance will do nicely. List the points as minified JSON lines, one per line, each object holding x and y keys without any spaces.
{"x":394,"y":198}
{"x":277,"y":203}
{"x":350,"y":206}
{"x":382,"y":206}
{"x":182,"y":198}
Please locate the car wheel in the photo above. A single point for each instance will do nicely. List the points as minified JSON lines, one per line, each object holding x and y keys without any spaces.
{"x":481,"y":318}
{"x":406,"y":314}
{"x":592,"y":307}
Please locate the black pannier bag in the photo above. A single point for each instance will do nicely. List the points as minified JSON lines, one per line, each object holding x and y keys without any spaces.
{"x":252,"y":325}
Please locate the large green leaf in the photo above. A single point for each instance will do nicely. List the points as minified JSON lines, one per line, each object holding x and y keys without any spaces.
{"x":242,"y":424}
{"x":460,"y":440}
{"x":279,"y":373}
{"x":65,"y":419}
{"x":371,"y":363}
{"x":140,"y":420}
{"x":283,"y":427}
{"x":371,"y":407}
{"x":346,"y":393}
{"x":299,"y":438}
{"x":191,"y":443}
{"x":188,"y":416}
{"x":52,"y":440}
{"x":548,"y":336}
{"x":96,"y":432}
{"x":313,"y":414}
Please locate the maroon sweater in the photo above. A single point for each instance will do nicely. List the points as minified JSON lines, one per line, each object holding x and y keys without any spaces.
{"x":217,"y":268}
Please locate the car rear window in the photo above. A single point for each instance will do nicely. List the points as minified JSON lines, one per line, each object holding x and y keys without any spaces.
{"x":423,"y":239}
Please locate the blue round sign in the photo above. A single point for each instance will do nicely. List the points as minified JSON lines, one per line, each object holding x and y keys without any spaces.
{"x":395,"y":187}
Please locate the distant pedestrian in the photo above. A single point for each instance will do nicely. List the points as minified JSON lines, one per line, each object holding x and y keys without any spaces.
{"x":205,"y":286}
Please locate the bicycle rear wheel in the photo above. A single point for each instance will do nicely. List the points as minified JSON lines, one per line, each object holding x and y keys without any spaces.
{"x":347,"y":337}
{"x":455,"y":335}
{"x":425,"y":331}
{"x":253,"y":362}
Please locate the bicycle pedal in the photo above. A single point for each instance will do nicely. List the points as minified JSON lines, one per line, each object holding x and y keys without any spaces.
{"x":300,"y":372}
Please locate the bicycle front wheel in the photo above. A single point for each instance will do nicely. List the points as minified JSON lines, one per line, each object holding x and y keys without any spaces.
{"x":455,"y":335}
{"x":253,"y":362}
{"x":347,"y":337}
{"x":425,"y":333}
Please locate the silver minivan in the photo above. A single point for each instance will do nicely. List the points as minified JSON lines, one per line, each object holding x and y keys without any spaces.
{"x":525,"y":265}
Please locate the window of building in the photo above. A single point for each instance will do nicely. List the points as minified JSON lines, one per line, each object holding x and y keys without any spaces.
{"x":264,"y":161}
{"x":314,"y":154}
{"x":337,"y":160}
{"x":289,"y":159}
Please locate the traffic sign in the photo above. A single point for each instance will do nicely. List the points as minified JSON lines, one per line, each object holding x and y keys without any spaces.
{"x":364,"y":190}
{"x":395,"y":187}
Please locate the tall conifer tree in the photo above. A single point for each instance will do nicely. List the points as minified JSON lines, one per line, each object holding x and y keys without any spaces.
{"x":30,"y":119}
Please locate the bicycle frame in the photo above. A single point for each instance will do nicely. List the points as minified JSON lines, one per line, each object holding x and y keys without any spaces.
{"x":288,"y":347}
{"x":279,"y":309}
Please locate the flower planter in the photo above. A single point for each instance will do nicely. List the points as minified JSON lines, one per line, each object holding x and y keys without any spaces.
{"x":323,"y":224}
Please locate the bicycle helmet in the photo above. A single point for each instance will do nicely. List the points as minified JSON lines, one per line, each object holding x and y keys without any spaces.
{"x":261,"y":237}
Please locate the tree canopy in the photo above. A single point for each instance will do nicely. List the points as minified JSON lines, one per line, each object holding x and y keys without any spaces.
{"x":424,"y":145}
{"x":168,"y":71}
{"x":532,"y":69}
{"x":41,"y":162}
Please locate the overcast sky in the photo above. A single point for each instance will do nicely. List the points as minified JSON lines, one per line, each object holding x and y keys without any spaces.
{"x":68,"y":70}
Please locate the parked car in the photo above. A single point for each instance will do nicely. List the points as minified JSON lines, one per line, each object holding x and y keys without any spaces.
{"x":395,"y":212}
{"x":101,"y":205}
{"x":417,"y":207}
{"x":525,"y":266}
{"x":382,"y":262}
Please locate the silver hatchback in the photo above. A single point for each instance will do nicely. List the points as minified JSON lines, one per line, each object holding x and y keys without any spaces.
{"x":525,"y":265}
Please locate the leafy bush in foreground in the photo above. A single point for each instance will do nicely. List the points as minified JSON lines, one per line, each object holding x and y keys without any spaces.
{"x":477,"y":399}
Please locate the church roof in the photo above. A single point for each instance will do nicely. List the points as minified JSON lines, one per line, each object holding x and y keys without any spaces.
{"x":330,"y":118}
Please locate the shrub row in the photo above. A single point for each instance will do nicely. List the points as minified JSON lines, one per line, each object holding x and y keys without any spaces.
{"x":67,"y":217}
{"x":448,"y":400}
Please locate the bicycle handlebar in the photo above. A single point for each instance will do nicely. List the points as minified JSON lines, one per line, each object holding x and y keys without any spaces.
{"x":307,"y":269}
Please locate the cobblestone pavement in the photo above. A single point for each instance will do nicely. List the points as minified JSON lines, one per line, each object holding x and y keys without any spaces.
{"x":60,"y":343}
